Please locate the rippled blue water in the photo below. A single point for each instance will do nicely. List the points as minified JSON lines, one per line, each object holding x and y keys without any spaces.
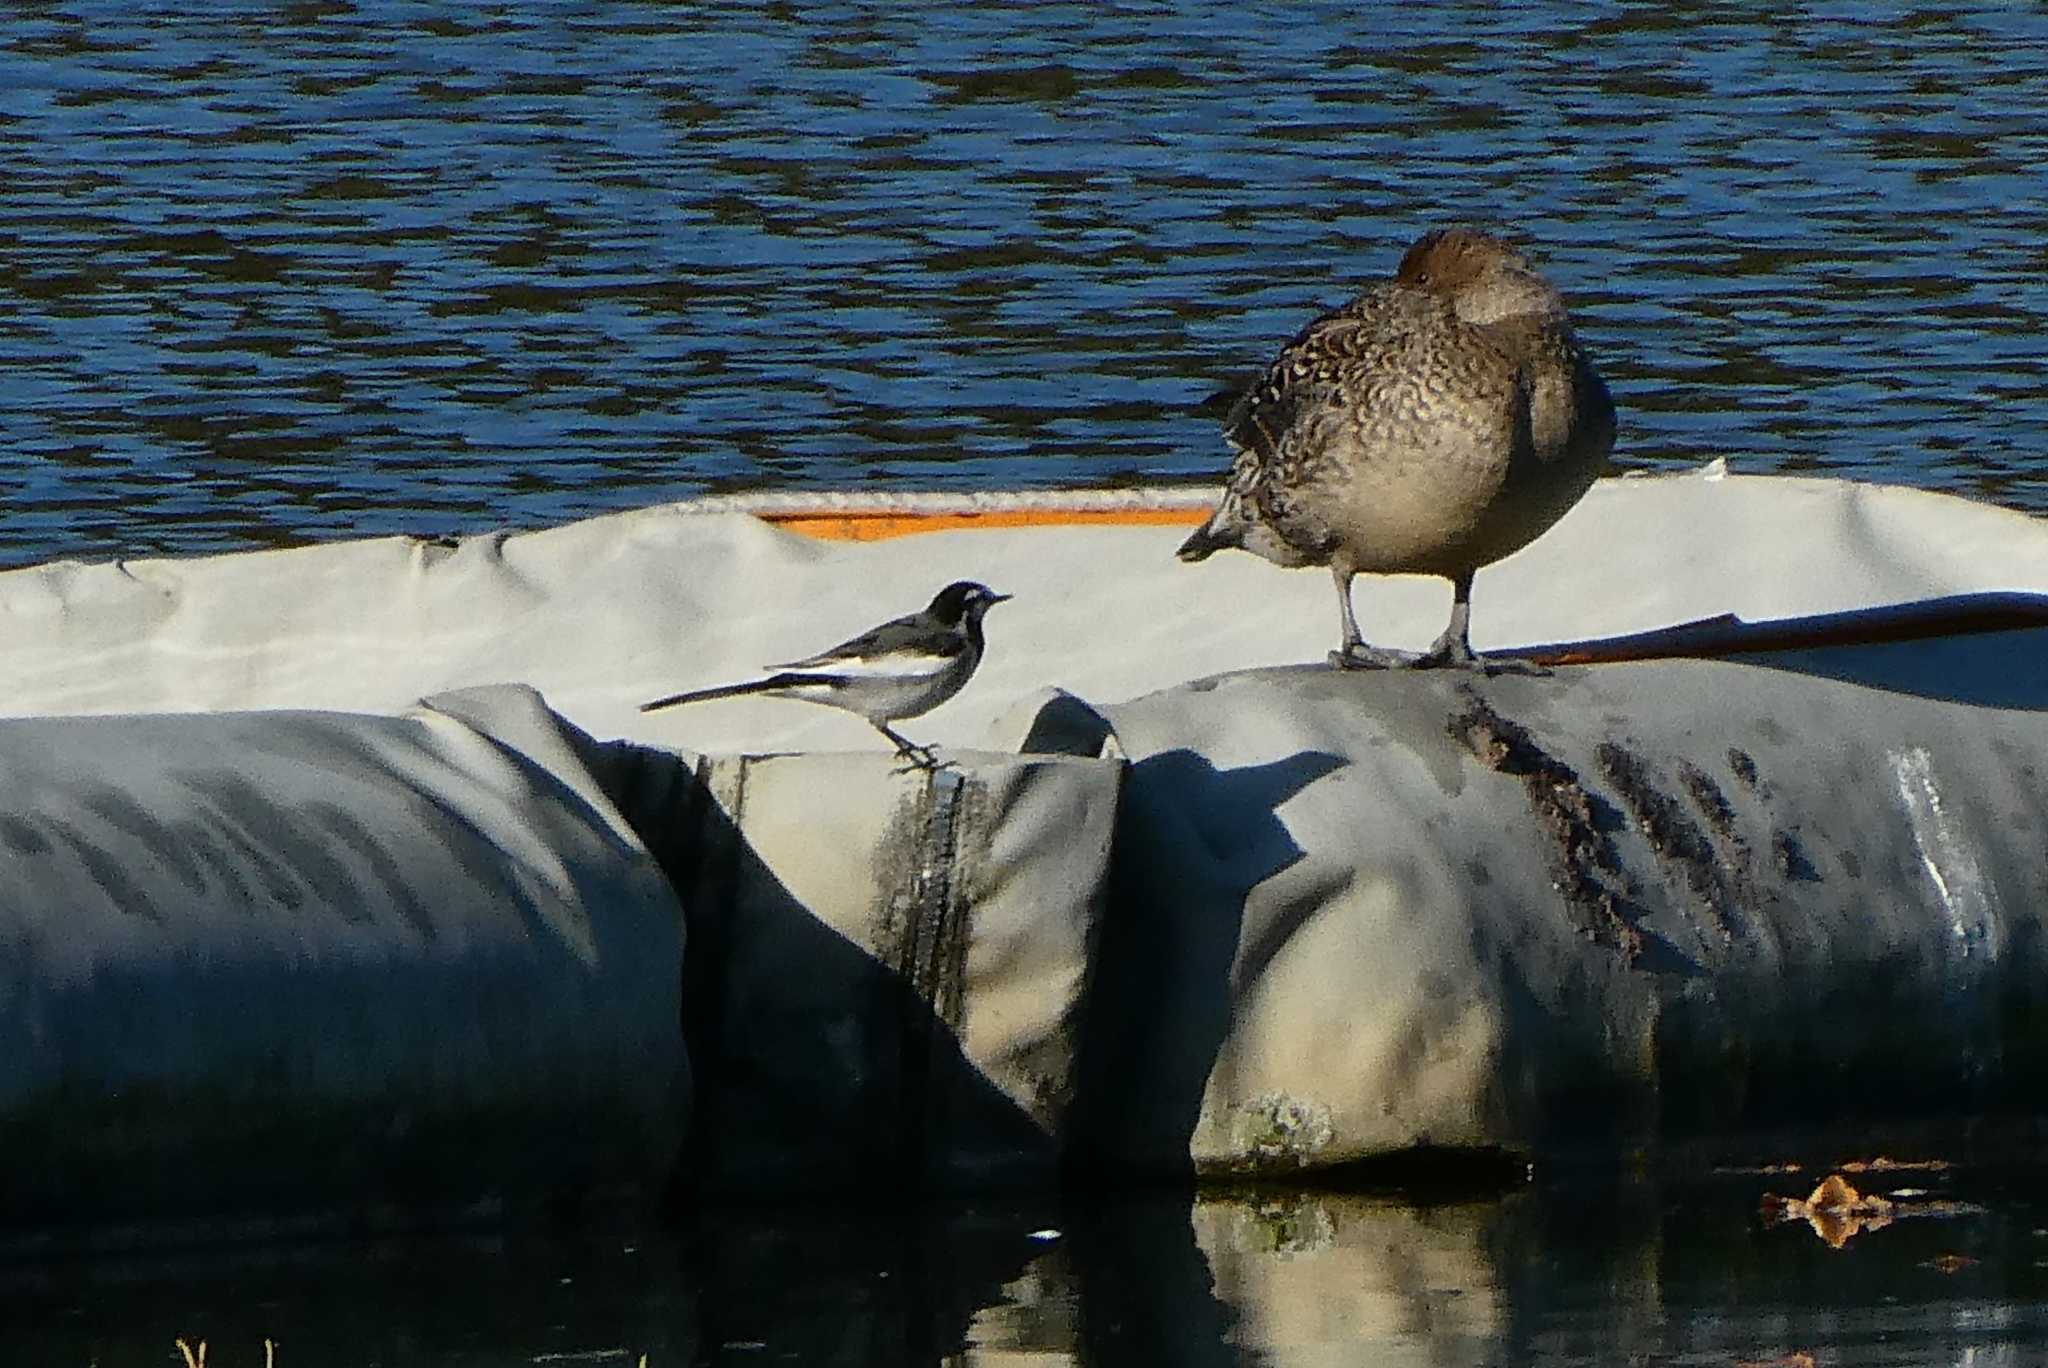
{"x":280,"y":271}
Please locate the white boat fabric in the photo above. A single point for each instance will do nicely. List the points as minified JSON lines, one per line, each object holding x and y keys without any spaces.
{"x":280,"y":959}
{"x":602,"y":615}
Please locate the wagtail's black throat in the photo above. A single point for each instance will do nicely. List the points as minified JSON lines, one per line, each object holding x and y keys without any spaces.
{"x":903,"y":668}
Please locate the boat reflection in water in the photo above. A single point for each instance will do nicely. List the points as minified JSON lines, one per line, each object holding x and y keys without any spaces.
{"x":1556,"y":1273}
{"x":1565,"y":1274}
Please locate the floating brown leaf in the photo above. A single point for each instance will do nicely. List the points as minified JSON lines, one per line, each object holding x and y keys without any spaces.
{"x":1837,"y":1212}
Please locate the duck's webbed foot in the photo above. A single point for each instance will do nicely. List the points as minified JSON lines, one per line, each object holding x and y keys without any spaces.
{"x":1359,"y":656}
{"x":1454,"y":652}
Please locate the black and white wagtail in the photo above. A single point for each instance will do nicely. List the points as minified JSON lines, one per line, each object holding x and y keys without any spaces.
{"x":903,"y":668}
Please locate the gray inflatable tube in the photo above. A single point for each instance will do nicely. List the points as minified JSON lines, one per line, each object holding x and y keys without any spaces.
{"x":1619,"y":906}
{"x":273,"y":960}
{"x":1325,"y":918}
{"x":1260,"y":925}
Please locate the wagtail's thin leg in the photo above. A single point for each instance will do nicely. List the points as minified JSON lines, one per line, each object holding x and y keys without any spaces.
{"x":920,"y":757}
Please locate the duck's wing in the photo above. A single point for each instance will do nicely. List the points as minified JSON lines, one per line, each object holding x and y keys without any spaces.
{"x":1340,"y":358}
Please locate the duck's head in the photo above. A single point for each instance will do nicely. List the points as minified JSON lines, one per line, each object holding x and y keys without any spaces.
{"x":1483,"y":277}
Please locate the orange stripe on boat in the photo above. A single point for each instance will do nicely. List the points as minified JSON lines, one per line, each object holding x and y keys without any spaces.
{"x":880,"y":526}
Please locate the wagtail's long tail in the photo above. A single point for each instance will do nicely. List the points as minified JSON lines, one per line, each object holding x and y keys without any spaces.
{"x":785,"y":680}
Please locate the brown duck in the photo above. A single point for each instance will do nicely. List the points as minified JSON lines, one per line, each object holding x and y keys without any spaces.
{"x":1437,"y":423}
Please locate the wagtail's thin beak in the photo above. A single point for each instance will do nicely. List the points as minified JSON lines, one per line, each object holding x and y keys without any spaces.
{"x":1000,"y":598}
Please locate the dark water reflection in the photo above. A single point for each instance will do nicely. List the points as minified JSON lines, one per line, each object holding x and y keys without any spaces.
{"x":273,"y":271}
{"x":1547,"y":1276}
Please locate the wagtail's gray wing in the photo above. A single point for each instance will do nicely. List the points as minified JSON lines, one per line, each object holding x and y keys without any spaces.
{"x":900,"y":641}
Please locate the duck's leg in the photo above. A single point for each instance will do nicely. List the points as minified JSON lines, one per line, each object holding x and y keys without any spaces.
{"x":1354,"y":654}
{"x":1352,"y":640}
{"x":1453,"y":648}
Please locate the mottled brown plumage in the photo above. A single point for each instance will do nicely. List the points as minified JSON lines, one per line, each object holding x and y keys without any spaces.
{"x":1437,"y":423}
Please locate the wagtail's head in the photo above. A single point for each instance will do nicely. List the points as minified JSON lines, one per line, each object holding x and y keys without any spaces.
{"x":964,"y":601}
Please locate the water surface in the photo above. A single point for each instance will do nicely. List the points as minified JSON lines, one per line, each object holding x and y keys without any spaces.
{"x":1560,"y":1277}
{"x":277,"y":272}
